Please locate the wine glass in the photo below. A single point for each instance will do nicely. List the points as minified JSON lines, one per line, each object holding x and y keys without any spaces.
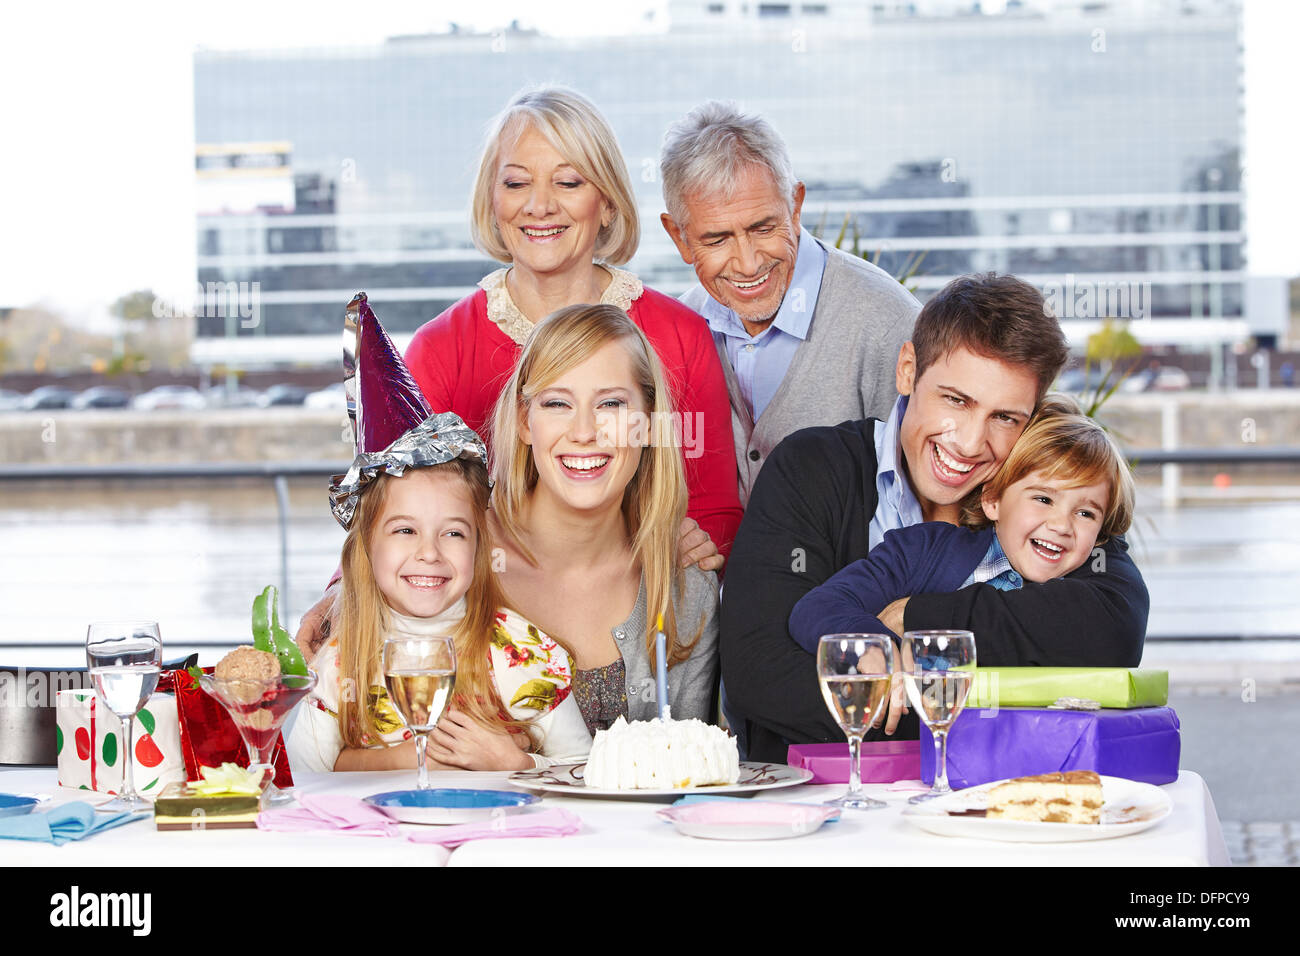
{"x":855,"y":671}
{"x":420,"y":673}
{"x":258,"y":706}
{"x":938,"y":667}
{"x":124,"y":659}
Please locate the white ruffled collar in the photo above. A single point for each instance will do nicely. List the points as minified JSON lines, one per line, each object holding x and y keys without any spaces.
{"x":624,"y":288}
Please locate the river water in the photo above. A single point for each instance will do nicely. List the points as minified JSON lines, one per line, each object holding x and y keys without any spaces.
{"x":192,"y":555}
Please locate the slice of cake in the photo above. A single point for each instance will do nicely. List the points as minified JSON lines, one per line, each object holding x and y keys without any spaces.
{"x":661,"y":755}
{"x":1070,"y":797}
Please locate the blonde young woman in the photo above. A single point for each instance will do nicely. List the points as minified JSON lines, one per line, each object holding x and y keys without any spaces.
{"x":586,"y":508}
{"x":553,"y":202}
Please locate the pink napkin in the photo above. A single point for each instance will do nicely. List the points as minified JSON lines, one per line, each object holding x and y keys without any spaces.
{"x":326,"y":812}
{"x":543,"y":823}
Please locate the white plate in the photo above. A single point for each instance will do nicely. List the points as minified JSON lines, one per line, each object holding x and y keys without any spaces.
{"x":1128,"y":807}
{"x":566,"y":780}
{"x":748,"y":819}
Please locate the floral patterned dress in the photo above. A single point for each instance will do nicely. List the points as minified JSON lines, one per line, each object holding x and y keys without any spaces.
{"x":533,"y":676}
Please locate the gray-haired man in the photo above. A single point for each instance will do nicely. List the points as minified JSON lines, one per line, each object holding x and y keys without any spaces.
{"x":808,"y":335}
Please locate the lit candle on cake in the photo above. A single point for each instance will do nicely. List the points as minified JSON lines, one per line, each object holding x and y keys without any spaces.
{"x":661,"y":669}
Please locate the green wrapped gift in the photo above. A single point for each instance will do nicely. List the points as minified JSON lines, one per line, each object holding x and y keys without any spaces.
{"x":1117,"y":687}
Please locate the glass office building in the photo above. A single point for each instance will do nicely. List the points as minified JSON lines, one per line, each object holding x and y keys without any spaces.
{"x":1084,"y":147}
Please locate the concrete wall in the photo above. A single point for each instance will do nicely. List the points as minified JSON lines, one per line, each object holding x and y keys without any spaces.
{"x":105,"y":437}
{"x":1206,"y":420}
{"x":1223,"y":420}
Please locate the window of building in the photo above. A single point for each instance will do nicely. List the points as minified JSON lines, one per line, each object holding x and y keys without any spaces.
{"x":774,"y":9}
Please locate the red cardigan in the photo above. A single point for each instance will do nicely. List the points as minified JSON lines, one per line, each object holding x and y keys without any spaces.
{"x":462,"y":360}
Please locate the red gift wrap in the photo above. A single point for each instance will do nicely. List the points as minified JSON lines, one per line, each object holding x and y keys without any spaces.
{"x":209,"y":737}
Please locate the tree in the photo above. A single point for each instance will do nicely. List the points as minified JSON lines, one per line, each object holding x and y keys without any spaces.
{"x":134,"y":305}
{"x":1108,"y":346}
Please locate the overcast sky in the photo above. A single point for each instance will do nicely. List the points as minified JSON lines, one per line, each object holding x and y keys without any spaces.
{"x":96,"y":175}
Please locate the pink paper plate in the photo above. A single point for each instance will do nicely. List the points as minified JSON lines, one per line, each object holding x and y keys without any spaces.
{"x":750,"y":820}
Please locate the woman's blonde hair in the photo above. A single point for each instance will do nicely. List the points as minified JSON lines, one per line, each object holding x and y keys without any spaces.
{"x":361,"y":617}
{"x":580,"y":134}
{"x":654,"y":501}
{"x":1063,"y":443}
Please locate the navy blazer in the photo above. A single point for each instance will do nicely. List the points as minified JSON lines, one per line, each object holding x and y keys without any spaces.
{"x":929,"y":558}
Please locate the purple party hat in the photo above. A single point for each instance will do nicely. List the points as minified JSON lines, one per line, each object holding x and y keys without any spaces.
{"x":393,"y":427}
{"x":387,"y":402}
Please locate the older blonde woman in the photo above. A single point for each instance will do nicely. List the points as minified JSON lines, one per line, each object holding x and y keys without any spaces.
{"x":553,"y":201}
{"x":588,"y":497}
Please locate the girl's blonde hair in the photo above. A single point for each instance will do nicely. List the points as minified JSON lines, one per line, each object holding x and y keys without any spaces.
{"x":361,"y":617}
{"x":654,"y":501}
{"x":1062,"y":443}
{"x":580,"y":134}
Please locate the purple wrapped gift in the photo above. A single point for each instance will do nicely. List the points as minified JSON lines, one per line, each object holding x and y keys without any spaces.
{"x":883,"y":761}
{"x":988,"y":744}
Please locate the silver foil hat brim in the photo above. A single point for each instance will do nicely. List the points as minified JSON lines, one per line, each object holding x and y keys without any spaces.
{"x":439,"y":438}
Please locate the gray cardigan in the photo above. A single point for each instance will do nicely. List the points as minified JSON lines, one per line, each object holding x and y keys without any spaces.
{"x":842,"y":371}
{"x":691,"y":683}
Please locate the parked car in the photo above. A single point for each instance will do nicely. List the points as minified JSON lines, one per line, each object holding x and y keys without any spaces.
{"x":1170,"y":379}
{"x":331,"y":396}
{"x":1164,"y":378}
{"x":48,"y":396}
{"x":282,"y":395}
{"x":241,"y":396}
{"x":170,"y":397}
{"x":1074,"y":382}
{"x":9,"y":399}
{"x":102,"y":396}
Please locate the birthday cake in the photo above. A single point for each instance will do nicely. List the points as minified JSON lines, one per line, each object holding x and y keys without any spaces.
{"x":661,"y":755}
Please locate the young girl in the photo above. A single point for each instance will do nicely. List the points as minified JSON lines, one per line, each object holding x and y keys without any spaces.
{"x":417,"y":561}
{"x":1064,"y":488}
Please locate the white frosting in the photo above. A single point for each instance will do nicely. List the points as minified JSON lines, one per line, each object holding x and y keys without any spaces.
{"x":661,"y":755}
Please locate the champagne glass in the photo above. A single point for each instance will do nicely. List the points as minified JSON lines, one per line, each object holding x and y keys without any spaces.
{"x":855,"y":671}
{"x":124,"y":659}
{"x":420,"y":673}
{"x":938,"y":667}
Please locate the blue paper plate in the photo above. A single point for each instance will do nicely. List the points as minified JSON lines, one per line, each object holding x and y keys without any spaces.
{"x":12,"y":805}
{"x":450,"y":805}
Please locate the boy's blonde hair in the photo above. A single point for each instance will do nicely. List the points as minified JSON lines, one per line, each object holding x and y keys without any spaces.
{"x":654,"y":501}
{"x":361,"y":617}
{"x":1061,"y":442}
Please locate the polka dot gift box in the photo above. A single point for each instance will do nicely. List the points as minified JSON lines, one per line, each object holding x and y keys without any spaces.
{"x":89,"y":744}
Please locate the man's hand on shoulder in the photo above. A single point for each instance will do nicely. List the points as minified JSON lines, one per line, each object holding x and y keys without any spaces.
{"x":315,"y":626}
{"x":694,"y":546}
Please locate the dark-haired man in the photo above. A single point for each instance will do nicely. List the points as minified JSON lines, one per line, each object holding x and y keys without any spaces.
{"x":983,"y":353}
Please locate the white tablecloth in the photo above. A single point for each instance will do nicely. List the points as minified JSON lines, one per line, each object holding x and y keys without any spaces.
{"x":620,"y":833}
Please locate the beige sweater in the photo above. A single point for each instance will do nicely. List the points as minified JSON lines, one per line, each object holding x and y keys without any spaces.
{"x":842,"y":371}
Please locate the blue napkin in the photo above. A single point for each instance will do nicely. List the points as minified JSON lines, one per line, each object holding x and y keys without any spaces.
{"x":69,"y":821}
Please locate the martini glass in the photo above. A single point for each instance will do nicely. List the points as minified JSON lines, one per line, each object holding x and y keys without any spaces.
{"x":124,"y":660}
{"x":259,"y":706}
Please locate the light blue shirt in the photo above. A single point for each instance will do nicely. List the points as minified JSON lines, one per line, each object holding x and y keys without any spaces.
{"x":996,"y":569}
{"x":761,"y":361}
{"x":896,"y":504}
